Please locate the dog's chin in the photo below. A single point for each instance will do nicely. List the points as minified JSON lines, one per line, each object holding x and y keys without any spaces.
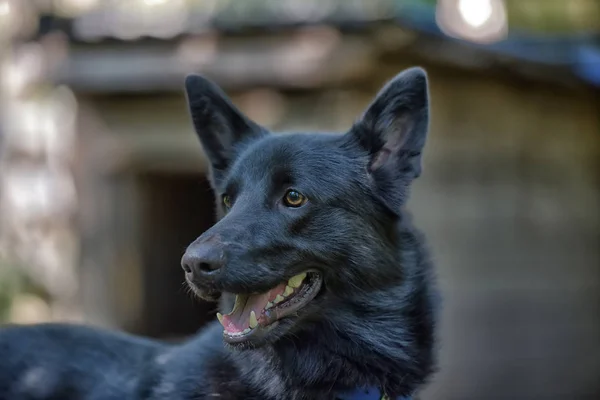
{"x":261,"y":318}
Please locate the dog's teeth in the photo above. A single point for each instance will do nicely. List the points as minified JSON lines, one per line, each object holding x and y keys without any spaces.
{"x":288,"y":290}
{"x":246,"y":330}
{"x":296,"y":281}
{"x":220,"y":317}
{"x":269,"y":305}
{"x":238,"y":300}
{"x":279,"y":299}
{"x":253,"y":320}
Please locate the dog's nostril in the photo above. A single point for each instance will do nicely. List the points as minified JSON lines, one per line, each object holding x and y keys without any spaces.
{"x":208,"y":267}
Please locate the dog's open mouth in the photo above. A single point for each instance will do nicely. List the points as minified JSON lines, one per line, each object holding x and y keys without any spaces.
{"x":253,"y":313}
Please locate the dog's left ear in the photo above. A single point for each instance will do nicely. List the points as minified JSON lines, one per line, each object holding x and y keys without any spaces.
{"x":393,"y":130}
{"x":219,"y":124}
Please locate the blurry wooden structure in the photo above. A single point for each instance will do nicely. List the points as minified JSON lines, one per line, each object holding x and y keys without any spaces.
{"x":509,"y":196}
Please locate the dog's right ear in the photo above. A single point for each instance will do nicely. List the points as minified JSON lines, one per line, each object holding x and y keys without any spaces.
{"x":218,"y":123}
{"x":393,"y":130}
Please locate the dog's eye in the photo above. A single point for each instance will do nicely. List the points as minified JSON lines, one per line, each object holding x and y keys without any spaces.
{"x":294,"y":198}
{"x":226,"y":201}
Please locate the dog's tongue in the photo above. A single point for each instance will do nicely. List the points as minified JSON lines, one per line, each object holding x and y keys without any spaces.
{"x":239,"y":318}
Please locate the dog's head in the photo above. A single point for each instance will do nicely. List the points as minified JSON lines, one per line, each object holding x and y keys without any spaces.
{"x":307,"y":220}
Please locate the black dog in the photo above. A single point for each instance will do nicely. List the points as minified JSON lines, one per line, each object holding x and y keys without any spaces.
{"x":328,"y":282}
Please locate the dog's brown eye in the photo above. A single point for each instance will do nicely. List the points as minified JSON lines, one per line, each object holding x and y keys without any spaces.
{"x":293,"y":198}
{"x":227,"y":201}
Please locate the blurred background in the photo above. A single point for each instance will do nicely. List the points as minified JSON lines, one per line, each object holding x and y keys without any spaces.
{"x":102,"y":181}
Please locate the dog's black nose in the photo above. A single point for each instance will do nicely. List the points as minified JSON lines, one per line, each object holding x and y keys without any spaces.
{"x":202,"y":259}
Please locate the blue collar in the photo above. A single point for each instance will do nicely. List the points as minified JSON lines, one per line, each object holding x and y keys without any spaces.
{"x":372,"y":393}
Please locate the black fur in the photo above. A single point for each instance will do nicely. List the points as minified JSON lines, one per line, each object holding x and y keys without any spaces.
{"x":372,"y":323}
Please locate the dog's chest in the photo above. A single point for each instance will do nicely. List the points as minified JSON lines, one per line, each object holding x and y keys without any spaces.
{"x":260,"y":372}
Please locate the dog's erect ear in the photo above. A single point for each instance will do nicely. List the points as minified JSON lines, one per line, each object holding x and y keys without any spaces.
{"x":218,"y":123}
{"x":393,"y":130}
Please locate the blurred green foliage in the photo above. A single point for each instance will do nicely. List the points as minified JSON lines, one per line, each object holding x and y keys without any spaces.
{"x":12,"y":282}
{"x":541,"y":16}
{"x":554,"y":16}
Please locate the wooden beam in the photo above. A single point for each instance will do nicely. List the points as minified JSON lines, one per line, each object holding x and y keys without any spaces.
{"x":306,"y":58}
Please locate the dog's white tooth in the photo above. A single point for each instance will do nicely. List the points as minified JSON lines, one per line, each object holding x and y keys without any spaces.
{"x":279,"y":298}
{"x":235,"y":305}
{"x":253,"y":320}
{"x":288,"y":290}
{"x":296,"y":281}
{"x":220,"y":318}
{"x":269,"y":305}
{"x":246,"y":330}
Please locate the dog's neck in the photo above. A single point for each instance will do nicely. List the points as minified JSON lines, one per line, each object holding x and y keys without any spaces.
{"x":311,"y":364}
{"x":363,"y":343}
